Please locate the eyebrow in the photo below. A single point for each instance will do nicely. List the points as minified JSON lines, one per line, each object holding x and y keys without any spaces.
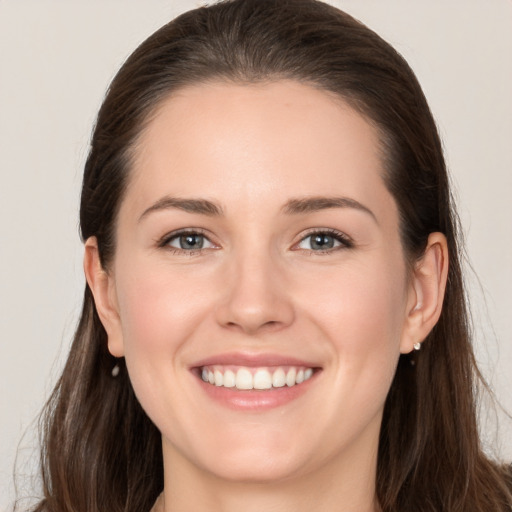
{"x":292,"y":207}
{"x":200,"y":206}
{"x":318,"y":203}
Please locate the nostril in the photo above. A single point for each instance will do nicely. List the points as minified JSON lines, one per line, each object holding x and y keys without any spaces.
{"x":252,"y":307}
{"x":255,"y":326}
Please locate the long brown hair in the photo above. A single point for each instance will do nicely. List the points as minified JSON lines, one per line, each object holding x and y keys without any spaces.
{"x":100,"y":452}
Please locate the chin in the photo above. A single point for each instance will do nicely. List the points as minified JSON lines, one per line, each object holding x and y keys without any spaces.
{"x":248,"y":453}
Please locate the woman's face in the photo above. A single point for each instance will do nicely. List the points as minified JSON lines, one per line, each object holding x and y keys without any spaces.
{"x":257,"y":246}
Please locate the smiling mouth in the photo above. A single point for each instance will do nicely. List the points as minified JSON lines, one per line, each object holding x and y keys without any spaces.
{"x":245,"y":378}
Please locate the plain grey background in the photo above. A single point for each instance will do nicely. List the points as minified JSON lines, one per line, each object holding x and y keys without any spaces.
{"x":56,"y":60}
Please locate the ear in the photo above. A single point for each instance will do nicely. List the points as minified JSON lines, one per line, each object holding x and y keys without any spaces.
{"x":102,"y":285}
{"x":426,"y":292}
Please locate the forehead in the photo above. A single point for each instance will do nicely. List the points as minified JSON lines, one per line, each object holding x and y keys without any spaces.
{"x":245,"y":142}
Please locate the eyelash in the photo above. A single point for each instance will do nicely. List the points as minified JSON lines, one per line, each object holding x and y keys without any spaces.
{"x":345,"y":241}
{"x":164,"y":242}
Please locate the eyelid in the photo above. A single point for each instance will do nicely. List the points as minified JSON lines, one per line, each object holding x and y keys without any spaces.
{"x":346,"y":242}
{"x":163,"y":242}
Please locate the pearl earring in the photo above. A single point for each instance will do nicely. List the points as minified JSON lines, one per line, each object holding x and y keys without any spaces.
{"x":417,"y":346}
{"x":115,"y":371}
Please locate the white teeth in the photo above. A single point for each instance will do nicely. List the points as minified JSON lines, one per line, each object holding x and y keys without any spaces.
{"x":244,"y":379}
{"x":247,"y":378}
{"x":229,"y":379}
{"x":290,"y":377}
{"x":219,"y":378}
{"x":279,"y":378}
{"x":262,"y":380}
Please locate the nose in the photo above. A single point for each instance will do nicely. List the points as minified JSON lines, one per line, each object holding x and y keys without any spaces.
{"x":255,"y":296}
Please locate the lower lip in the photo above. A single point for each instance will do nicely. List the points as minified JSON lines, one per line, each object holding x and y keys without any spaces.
{"x":255,"y":400}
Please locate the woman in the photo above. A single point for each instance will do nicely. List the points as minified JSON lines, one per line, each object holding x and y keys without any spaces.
{"x":274,"y":314}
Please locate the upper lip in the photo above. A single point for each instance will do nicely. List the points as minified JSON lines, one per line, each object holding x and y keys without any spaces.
{"x":254,"y":360}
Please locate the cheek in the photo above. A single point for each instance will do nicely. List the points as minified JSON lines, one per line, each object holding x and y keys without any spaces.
{"x":361,"y":312}
{"x":159,"y":310}
{"x":362,"y":298}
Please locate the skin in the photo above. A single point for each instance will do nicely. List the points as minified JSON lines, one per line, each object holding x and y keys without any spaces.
{"x":258,"y":286}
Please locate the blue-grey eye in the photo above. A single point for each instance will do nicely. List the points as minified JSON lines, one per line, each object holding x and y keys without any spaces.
{"x":322,"y":241}
{"x":190,"y":242}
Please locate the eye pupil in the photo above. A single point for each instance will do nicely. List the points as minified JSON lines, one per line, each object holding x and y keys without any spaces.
{"x":322,"y":241}
{"x":191,"y":241}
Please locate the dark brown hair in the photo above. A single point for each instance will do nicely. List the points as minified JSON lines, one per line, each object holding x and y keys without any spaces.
{"x":100,"y":451}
